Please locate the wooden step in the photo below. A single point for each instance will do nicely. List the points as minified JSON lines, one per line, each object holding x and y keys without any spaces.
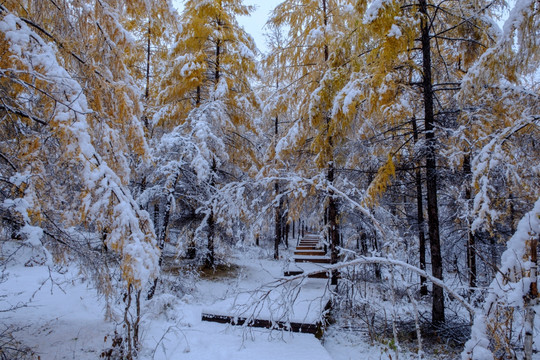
{"x":312,"y":259}
{"x":310,"y":252}
{"x":323,"y":275}
{"x":293,"y":272}
{"x":262,"y":323}
{"x":306,"y":248}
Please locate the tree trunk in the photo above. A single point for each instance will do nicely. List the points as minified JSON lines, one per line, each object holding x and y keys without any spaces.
{"x":530,"y":302}
{"x":278,"y":211}
{"x":332,"y":205}
{"x":218,"y":54}
{"x":325,"y":21}
{"x":277,"y":218}
{"x":471,"y":240}
{"x":136,"y":324}
{"x":493,"y":256}
{"x":332,"y":224}
{"x":287,"y":229}
{"x":431,"y":170}
{"x":148,"y":53}
{"x":420,"y":217}
{"x":191,"y":252}
{"x":164,"y":230}
{"x":210,"y":256}
{"x":127,"y":323}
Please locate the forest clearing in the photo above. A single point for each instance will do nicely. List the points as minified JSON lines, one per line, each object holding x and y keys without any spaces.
{"x":365,"y":185}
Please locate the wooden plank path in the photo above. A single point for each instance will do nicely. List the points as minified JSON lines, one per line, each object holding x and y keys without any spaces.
{"x":297,"y":306}
{"x":309,"y":255}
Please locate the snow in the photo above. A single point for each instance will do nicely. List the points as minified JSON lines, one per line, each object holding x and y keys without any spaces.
{"x":222,"y":89}
{"x":516,"y":18}
{"x":64,"y":319}
{"x":395,"y":32}
{"x":102,"y":183}
{"x":291,"y":138}
{"x":505,"y":289}
{"x":373,"y":10}
{"x":266,"y":303}
{"x":215,"y":341}
{"x":315,"y":35}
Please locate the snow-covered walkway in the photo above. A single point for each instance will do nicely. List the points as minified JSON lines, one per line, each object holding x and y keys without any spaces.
{"x":66,"y":320}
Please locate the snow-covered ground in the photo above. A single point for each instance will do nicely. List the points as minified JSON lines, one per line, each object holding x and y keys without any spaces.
{"x":62,"y":318}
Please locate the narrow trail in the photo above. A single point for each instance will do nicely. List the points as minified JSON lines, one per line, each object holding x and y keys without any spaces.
{"x":296,"y":306}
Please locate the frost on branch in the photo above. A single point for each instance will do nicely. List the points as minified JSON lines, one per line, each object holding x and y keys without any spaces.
{"x":504,"y":307}
{"x":105,"y":202}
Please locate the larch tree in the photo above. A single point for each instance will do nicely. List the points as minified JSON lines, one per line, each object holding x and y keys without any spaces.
{"x":500,"y":99}
{"x":71,"y":137}
{"x":274,"y":127}
{"x":154,"y":24}
{"x":311,"y":60}
{"x":207,"y":94}
{"x":405,"y":70}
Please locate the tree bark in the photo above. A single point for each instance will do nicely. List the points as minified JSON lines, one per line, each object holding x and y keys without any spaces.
{"x":218,"y":53}
{"x":164,"y":230}
{"x":332,"y":204}
{"x":148,"y":54}
{"x":530,"y":301}
{"x":286,"y":237}
{"x":210,"y":256}
{"x":332,"y":224}
{"x":471,"y":239}
{"x":420,"y":217}
{"x":277,"y":218}
{"x":431,"y":169}
{"x":278,"y":210}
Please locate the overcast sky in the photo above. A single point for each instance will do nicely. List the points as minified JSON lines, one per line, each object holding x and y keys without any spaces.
{"x":252,"y":24}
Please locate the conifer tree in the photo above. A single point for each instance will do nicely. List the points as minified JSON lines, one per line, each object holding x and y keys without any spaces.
{"x":208,"y":94}
{"x":311,"y":61}
{"x":70,"y":99}
{"x":500,"y":100}
{"x":407,"y":65}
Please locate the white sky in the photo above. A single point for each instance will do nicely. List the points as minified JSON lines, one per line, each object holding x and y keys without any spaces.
{"x":252,"y":24}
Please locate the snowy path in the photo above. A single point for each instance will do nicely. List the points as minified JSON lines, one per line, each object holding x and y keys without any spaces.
{"x":206,"y":340}
{"x":68,"y":322}
{"x":271,"y":301}
{"x":197,"y":339}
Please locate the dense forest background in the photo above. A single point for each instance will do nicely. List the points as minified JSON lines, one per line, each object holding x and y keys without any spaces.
{"x":406,"y":133}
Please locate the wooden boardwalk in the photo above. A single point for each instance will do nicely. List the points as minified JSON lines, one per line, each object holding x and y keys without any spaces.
{"x":309,"y":255}
{"x":297,"y":306}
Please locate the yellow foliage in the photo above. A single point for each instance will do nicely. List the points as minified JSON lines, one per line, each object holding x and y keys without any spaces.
{"x":380,"y":182}
{"x":47,"y":119}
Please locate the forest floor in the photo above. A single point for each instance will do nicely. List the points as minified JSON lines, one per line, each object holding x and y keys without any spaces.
{"x":60,"y":316}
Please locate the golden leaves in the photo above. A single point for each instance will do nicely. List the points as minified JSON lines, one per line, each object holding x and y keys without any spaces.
{"x":380,"y":182}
